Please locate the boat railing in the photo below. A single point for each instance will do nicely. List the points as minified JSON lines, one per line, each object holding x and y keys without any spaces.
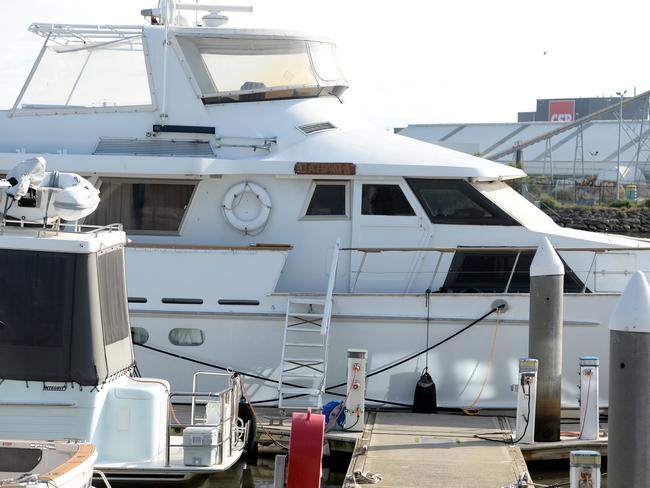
{"x":44,"y":229}
{"x":587,"y":275}
{"x":331,"y":285}
{"x":231,"y":430}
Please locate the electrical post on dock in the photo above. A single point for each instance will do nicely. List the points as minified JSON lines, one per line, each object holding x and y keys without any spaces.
{"x":526,"y":399}
{"x":629,"y":387}
{"x":585,"y":469}
{"x":545,"y":338}
{"x":589,"y":401}
{"x":356,"y":388}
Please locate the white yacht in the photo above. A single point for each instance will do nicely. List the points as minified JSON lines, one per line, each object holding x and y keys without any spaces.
{"x":255,"y":200}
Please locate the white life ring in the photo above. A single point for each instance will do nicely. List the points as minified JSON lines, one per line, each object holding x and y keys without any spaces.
{"x":232,"y":199}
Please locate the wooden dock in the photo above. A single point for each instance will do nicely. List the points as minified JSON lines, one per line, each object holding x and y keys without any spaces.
{"x":436,"y":451}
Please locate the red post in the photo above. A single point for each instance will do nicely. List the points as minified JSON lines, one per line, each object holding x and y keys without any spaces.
{"x":306,"y":450}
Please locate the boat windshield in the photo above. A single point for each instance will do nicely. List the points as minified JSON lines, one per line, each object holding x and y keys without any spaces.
{"x":248,"y":69}
{"x":95,"y":75}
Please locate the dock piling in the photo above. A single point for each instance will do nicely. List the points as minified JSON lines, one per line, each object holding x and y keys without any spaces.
{"x":279,"y":470}
{"x":629,"y":387}
{"x":545,"y":338}
{"x":589,"y":401}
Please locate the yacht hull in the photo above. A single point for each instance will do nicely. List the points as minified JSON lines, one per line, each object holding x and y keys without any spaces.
{"x":391,"y":327}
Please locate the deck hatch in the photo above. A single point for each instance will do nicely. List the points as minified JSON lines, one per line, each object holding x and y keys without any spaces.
{"x":308,"y":129}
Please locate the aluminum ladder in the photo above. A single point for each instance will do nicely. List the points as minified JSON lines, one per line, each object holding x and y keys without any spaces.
{"x":304,"y":346}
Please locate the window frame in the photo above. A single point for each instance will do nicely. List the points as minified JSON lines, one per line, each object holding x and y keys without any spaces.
{"x":155,"y":181}
{"x":310,"y":195}
{"x":502,"y":218}
{"x":322,"y":87}
{"x":17,"y":111}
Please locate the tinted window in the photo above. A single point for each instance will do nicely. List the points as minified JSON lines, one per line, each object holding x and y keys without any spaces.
{"x":157,"y":207}
{"x":186,"y":337}
{"x":139,"y":335}
{"x":328,"y":200}
{"x":457,"y":202}
{"x":488,"y":272}
{"x":384,"y":200}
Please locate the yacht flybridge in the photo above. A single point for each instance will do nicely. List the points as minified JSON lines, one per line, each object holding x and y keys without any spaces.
{"x":272,"y":228}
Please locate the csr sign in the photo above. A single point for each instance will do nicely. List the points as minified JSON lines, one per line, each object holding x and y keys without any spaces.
{"x":561,"y":110}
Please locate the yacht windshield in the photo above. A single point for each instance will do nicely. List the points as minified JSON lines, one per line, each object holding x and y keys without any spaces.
{"x":245,"y":69}
{"x":105,"y":74}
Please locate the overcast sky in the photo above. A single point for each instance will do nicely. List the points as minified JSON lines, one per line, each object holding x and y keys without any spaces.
{"x":414,"y":61}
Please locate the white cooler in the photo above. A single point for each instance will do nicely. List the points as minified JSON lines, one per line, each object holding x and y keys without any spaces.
{"x":200,"y":446}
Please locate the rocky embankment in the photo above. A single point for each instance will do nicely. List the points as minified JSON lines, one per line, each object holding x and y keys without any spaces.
{"x":631,"y":221}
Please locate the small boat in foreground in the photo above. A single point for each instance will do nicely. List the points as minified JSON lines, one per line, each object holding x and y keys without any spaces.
{"x":64,"y":464}
{"x":68,"y":368}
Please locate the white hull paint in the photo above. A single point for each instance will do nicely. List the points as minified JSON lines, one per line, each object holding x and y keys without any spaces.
{"x":391,"y":327}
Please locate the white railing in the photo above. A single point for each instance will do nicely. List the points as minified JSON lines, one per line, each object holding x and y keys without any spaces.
{"x":232,"y":434}
{"x":331,"y":284}
{"x":585,"y":275}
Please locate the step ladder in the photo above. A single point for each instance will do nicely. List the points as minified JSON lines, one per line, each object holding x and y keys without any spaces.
{"x":303,"y":368}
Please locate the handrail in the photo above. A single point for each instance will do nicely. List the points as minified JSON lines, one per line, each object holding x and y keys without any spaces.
{"x":492,"y":248}
{"x":331,"y":283}
{"x":517,"y":250}
{"x":230,"y":394}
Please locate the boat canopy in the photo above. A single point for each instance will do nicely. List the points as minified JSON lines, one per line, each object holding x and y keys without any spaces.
{"x":63,"y":316}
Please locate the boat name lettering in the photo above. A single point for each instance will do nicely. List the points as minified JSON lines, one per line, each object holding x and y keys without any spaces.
{"x":325,"y":169}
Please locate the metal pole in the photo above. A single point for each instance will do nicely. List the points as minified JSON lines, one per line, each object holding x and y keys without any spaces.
{"x":589,"y":402}
{"x":629,"y":387}
{"x":618,"y":152}
{"x":279,"y":470}
{"x":545,"y":338}
{"x":585,"y":469}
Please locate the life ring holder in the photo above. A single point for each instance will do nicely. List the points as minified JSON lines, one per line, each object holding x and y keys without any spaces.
{"x":233,"y":198}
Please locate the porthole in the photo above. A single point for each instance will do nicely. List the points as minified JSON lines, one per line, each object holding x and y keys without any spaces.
{"x":139,"y":335}
{"x":186,"y":337}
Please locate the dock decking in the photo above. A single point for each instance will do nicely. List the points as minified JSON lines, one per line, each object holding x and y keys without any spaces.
{"x":437,"y":451}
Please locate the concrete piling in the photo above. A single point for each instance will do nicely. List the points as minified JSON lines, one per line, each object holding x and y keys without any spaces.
{"x":629,"y":387}
{"x":545,"y":338}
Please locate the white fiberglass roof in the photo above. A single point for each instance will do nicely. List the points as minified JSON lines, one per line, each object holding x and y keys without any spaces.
{"x":377,"y":152}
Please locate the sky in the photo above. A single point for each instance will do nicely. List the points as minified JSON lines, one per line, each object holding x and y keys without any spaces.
{"x":413,"y":61}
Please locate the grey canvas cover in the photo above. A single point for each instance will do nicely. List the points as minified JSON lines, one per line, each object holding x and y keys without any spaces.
{"x":63,"y":316}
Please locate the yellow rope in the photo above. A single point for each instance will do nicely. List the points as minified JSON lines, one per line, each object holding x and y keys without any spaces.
{"x":471,"y":409}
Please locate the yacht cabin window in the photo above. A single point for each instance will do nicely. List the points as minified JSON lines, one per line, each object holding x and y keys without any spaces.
{"x":250,"y":69}
{"x":186,"y":337}
{"x":457,"y":202}
{"x":497,"y":272}
{"x":99,"y":75}
{"x":384,"y":200}
{"x":143,"y":206}
{"x":328,"y":199}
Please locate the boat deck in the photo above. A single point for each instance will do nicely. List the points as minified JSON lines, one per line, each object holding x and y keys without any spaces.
{"x":436,"y":451}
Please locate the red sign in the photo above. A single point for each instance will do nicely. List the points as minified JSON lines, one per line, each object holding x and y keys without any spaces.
{"x":562,"y":110}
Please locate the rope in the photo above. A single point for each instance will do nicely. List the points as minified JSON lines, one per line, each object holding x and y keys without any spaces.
{"x":357,"y":478}
{"x":259,"y":422}
{"x":427,"y":296}
{"x":471,"y":409}
{"x":333,"y":387}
